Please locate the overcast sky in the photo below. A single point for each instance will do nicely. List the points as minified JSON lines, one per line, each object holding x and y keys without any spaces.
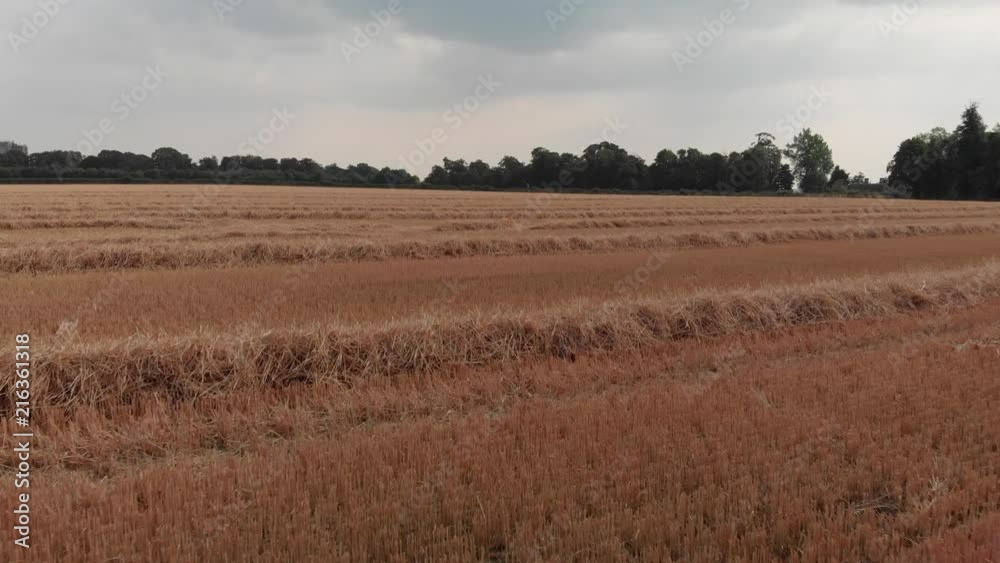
{"x":217,"y":71}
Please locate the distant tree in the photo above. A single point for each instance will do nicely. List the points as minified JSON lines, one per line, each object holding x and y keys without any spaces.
{"x":510,"y":172}
{"x":544,"y":168}
{"x":110,"y":159}
{"x":18,"y":156}
{"x":55,"y":159}
{"x":608,"y":166}
{"x":922,"y":167}
{"x":838,"y":178}
{"x":859,"y":178}
{"x":389,"y":176}
{"x":136,"y":162}
{"x":994,"y":163}
{"x":208,"y":163}
{"x":169,"y":158}
{"x":784,"y":181}
{"x":763,"y":158}
{"x":971,"y":154}
{"x":480,"y":174}
{"x":91,"y":162}
{"x":713,"y":169}
{"x":437,"y":176}
{"x":663,"y":171}
{"x":691,"y":170}
{"x":458,"y":172}
{"x":230,"y":164}
{"x":361,"y":173}
{"x":311,"y":169}
{"x":812,"y":160}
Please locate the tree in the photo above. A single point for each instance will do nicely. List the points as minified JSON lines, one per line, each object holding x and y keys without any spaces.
{"x":480,"y":174}
{"x":608,"y":166}
{"x":13,"y":155}
{"x":994,"y":160}
{"x":311,"y":168}
{"x":712,"y":170}
{"x":971,"y":153}
{"x":63,"y":159}
{"x":922,"y":166}
{"x":252,"y":162}
{"x":784,"y":181}
{"x":210,"y":163}
{"x":544,"y":167}
{"x":437,"y":176}
{"x":691,"y":170}
{"x":91,"y":162}
{"x":510,"y":172}
{"x":362,"y":173}
{"x":663,"y":171}
{"x":458,"y":172}
{"x":859,"y":178}
{"x":838,"y":178}
{"x":812,"y":160}
{"x":763,"y":158}
{"x":169,"y":158}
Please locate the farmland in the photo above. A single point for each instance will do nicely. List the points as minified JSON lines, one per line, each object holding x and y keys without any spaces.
{"x":247,"y":373}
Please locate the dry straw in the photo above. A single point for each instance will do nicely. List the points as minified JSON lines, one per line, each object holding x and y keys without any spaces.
{"x":182,"y":368}
{"x":63,"y":258}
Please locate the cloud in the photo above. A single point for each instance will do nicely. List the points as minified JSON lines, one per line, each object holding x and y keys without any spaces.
{"x":603,"y":58}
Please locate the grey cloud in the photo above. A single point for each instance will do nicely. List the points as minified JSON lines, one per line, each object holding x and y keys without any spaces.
{"x":268,"y":53}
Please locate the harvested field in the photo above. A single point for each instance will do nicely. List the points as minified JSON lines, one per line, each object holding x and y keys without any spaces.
{"x":308,"y":374}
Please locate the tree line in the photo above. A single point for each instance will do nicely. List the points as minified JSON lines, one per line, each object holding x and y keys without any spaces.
{"x":169,"y":164}
{"x":964,"y":164}
{"x":602,"y":166}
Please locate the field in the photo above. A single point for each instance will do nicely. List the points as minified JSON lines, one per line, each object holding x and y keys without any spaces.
{"x":237,"y":373}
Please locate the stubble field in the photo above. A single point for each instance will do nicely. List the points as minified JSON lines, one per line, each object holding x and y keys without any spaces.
{"x":306,"y":374}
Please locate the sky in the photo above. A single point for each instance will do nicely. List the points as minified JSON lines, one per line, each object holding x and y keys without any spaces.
{"x":406,"y":83}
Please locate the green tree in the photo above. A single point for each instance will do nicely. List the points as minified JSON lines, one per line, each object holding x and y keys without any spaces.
{"x":480,"y":174}
{"x":608,"y":166}
{"x":663,"y":171}
{"x":437,"y":176}
{"x":838,"y":178}
{"x":784,"y":180}
{"x":510,"y":172}
{"x":994,"y":160}
{"x":922,"y":166}
{"x":208,"y":163}
{"x":971,"y":154}
{"x":765,"y":158}
{"x":169,"y":158}
{"x":812,"y":160}
{"x":544,"y":167}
